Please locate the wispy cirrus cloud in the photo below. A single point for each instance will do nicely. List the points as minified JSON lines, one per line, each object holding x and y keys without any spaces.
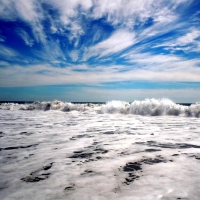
{"x":28,"y":11}
{"x":7,"y":52}
{"x":25,"y":37}
{"x":160,"y":69}
{"x":2,"y":38}
{"x":188,"y":37}
{"x":130,"y":13}
{"x":69,"y":14}
{"x":117,"y":42}
{"x":189,"y":41}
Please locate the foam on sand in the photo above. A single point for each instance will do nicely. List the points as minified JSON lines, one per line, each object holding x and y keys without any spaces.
{"x":85,"y":155}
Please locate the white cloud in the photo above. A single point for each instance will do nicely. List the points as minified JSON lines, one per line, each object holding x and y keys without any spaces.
{"x":25,"y":10}
{"x":68,"y":8}
{"x":7,"y":10}
{"x":68,"y":18}
{"x":127,"y":13}
{"x":74,"y":55}
{"x":148,"y":58}
{"x":117,"y":42}
{"x":188,"y":38}
{"x":3,"y":63}
{"x":7,"y":52}
{"x":28,"y":11}
{"x":51,"y":51}
{"x":164,"y":67}
{"x":76,"y":32}
{"x":186,"y":42}
{"x":152,"y":68}
{"x":2,"y":38}
{"x":24,"y":35}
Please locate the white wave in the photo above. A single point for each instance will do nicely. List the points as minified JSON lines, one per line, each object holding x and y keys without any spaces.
{"x":8,"y":106}
{"x":156,"y":107}
{"x":193,"y":110}
{"x":54,"y":105}
{"x":150,"y":107}
{"x":115,"y":107}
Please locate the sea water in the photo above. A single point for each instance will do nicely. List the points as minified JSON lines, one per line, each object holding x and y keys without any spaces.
{"x":142,"y":150}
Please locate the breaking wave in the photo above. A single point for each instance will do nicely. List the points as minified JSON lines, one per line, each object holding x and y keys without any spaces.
{"x":149,"y":107}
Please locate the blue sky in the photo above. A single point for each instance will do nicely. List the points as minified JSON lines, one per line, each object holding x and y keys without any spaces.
{"x":99,"y":50}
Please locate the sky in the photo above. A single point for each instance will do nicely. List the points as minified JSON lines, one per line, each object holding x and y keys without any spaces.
{"x":99,"y":50}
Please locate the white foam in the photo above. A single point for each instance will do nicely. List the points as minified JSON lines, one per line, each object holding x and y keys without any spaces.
{"x":126,"y":137}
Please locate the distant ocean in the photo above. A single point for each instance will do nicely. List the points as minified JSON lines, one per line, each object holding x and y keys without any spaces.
{"x":29,"y":102}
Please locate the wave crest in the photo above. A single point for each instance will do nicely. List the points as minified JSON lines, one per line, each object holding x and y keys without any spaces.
{"x":149,"y":107}
{"x":156,"y":107}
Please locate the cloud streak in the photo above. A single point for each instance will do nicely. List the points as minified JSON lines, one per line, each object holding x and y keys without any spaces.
{"x":172,"y":70}
{"x":117,"y":42}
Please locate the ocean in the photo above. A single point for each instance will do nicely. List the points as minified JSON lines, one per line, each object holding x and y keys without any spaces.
{"x":144,"y":150}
